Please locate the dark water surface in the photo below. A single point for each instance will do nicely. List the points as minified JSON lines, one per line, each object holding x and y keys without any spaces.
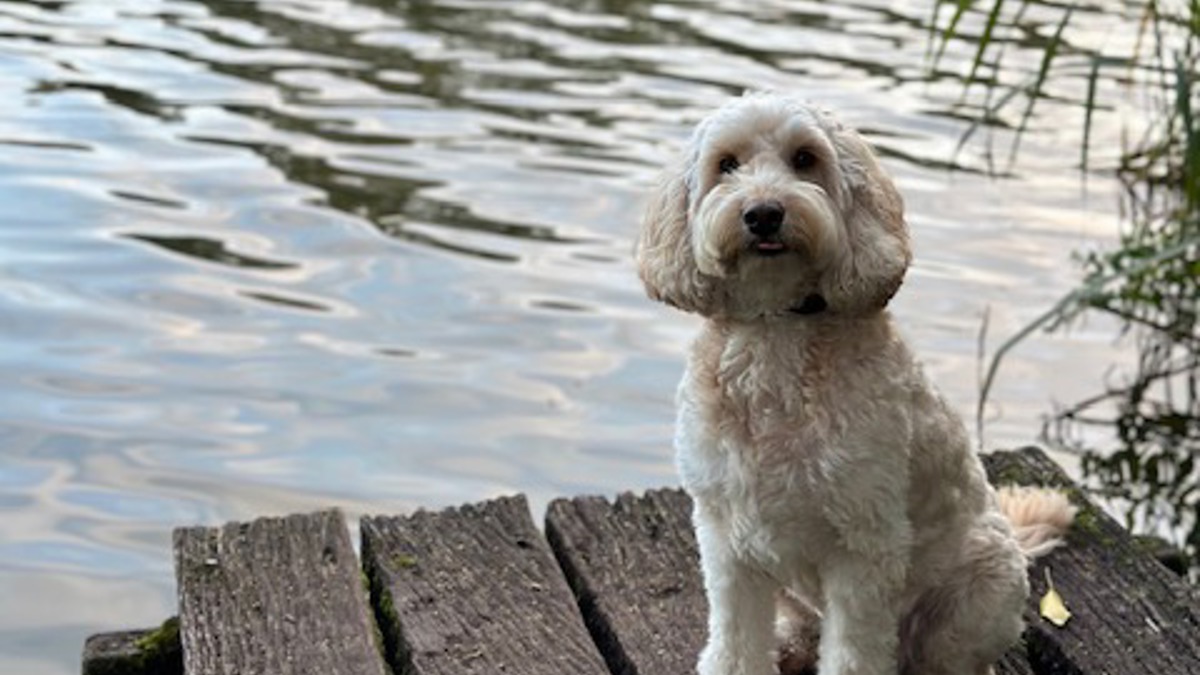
{"x":261,"y":257}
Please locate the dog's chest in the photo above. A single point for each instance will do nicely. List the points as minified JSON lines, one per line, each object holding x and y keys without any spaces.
{"x":770,"y":513}
{"x":755,"y":427}
{"x":764,"y":487}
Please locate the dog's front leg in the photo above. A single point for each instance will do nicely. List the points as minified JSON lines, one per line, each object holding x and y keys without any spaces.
{"x":741,"y":601}
{"x":859,"y":634}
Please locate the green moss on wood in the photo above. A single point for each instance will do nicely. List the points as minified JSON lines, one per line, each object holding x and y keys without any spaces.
{"x":404,"y":561}
{"x":1088,"y":522}
{"x":155,"y":652}
{"x":1010,"y":473}
{"x":164,"y":638}
{"x":387,"y":621}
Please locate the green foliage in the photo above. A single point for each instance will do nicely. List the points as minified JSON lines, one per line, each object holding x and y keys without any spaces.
{"x":1151,"y":281}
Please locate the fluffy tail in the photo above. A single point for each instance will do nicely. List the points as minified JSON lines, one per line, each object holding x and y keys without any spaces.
{"x":1039,"y":516}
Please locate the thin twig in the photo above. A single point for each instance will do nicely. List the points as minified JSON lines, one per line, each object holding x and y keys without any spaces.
{"x":980,"y":355}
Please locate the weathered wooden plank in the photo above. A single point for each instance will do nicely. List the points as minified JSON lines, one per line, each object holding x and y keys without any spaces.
{"x":1130,"y":613}
{"x":1015,"y":662}
{"x":634,"y":567}
{"x":474,"y":590}
{"x":277,"y":596}
{"x":154,"y":651}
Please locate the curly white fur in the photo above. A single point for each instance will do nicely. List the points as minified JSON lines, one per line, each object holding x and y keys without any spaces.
{"x":825,"y":469}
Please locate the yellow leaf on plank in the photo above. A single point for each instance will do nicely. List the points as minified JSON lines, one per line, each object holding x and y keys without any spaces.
{"x":1052,"y":607}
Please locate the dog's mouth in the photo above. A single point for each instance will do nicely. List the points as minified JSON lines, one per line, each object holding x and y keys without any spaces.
{"x":768,"y":247}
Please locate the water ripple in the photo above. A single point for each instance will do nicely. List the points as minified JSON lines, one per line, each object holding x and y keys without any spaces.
{"x":266,"y":256}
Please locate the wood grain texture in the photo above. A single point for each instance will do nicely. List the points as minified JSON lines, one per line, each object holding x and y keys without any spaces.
{"x":474,"y":590}
{"x":477,"y":590}
{"x":1015,"y":662}
{"x":1130,"y":613}
{"x":634,"y":567}
{"x":277,"y":596}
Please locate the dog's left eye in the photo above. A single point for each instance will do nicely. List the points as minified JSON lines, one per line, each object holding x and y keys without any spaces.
{"x":803,"y":159}
{"x":728,"y":164}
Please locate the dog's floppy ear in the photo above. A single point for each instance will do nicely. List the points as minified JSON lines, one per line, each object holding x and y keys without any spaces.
{"x":665,"y":259}
{"x":877,"y":251}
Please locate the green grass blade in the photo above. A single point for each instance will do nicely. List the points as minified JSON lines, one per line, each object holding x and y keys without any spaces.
{"x":1089,"y":107}
{"x":990,"y":113}
{"x":1074,"y":300}
{"x":980,"y":355}
{"x":1185,"y":80}
{"x":950,"y":32}
{"x":1035,"y":91}
{"x":931,"y":39}
{"x":985,"y":39}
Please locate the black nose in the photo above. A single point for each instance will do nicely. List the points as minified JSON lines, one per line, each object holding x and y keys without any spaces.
{"x":763,"y":218}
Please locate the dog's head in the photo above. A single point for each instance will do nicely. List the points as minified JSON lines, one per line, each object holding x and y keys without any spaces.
{"x":774,"y":206}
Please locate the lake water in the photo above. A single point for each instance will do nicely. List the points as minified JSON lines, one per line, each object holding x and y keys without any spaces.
{"x":267,"y":257}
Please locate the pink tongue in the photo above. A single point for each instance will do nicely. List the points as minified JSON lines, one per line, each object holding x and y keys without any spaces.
{"x":770,"y":246}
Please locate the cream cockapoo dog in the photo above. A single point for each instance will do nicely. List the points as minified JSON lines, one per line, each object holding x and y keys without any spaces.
{"x":827,"y":473}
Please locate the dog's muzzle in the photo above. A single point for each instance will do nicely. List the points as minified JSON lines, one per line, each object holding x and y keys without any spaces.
{"x":764,"y":220}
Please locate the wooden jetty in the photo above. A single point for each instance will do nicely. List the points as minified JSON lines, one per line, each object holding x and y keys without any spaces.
{"x":611,"y":587}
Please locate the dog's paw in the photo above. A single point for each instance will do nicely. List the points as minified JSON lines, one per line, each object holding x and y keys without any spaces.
{"x":797,"y":636}
{"x":715,"y":661}
{"x":796,"y":662}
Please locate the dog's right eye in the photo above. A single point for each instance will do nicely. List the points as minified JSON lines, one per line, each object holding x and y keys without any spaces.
{"x":728,"y":164}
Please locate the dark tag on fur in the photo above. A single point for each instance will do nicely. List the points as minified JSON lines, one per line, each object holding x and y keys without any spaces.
{"x":813,"y":304}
